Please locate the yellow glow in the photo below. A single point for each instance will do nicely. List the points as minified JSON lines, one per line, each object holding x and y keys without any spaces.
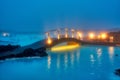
{"x":49,"y":41}
{"x":72,"y":33}
{"x":99,"y":36}
{"x":111,"y":38}
{"x":80,"y":34}
{"x":91,"y":35}
{"x":66,"y":36}
{"x":64,"y":47}
{"x":66,"y":33}
{"x":111,"y":51}
{"x":72,"y":36}
{"x":103,"y":35}
{"x":58,"y":36}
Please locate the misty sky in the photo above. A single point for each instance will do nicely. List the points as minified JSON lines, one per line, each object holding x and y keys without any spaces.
{"x":42,"y":15}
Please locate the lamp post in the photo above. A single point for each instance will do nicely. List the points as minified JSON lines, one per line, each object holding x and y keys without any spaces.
{"x":49,"y":40}
{"x":79,"y":34}
{"x":73,"y":31}
{"x":58,"y":34}
{"x":66,"y":33}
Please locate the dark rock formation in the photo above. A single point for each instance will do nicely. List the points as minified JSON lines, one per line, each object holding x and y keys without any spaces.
{"x":117,"y":72}
{"x":27,"y":53}
{"x":116,"y":54}
{"x":5,"y":48}
{"x":41,"y":52}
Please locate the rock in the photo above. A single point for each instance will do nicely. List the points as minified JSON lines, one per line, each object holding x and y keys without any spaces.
{"x":117,"y":72}
{"x":116,"y":54}
{"x":5,"y":48}
{"x":27,"y":53}
{"x":41,"y":52}
{"x":7,"y":57}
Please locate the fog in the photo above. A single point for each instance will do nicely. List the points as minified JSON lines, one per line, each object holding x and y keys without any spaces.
{"x":43,"y":15}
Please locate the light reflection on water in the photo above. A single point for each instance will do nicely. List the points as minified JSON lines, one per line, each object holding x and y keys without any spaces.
{"x":77,"y":55}
{"x":58,"y":61}
{"x":84,"y":63}
{"x":111,"y":52}
{"x":72,"y":58}
{"x":49,"y":61}
{"x":66,"y":60}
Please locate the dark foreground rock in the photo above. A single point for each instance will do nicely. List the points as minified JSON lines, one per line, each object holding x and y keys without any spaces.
{"x":41,"y":52}
{"x":117,"y":72}
{"x":5,"y":48}
{"x":116,"y":54}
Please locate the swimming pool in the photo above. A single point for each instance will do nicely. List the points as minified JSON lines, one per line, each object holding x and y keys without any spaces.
{"x":84,"y":63}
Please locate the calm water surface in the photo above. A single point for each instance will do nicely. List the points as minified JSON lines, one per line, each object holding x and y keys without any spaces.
{"x":84,"y":63}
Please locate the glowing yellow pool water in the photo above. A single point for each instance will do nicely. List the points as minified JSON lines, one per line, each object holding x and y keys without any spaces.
{"x":65,"y":47}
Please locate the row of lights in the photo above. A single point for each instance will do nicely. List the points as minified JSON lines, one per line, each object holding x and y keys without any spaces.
{"x":91,"y":35}
{"x":100,"y":36}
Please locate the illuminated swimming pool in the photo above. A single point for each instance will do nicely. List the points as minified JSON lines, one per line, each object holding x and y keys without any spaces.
{"x":84,"y":63}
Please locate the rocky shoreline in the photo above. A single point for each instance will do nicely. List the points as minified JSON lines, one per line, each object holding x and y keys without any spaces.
{"x":5,"y":48}
{"x":29,"y":52}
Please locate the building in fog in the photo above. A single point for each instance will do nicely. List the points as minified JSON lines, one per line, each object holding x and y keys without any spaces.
{"x":114,"y":36}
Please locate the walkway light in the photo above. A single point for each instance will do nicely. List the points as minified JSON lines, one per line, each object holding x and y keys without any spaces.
{"x":66,"y":33}
{"x":91,"y":35}
{"x":72,"y":30}
{"x":79,"y":34}
{"x":49,"y":41}
{"x":99,"y":37}
{"x":58,"y":34}
{"x":103,"y":36}
{"x":111,"y":38}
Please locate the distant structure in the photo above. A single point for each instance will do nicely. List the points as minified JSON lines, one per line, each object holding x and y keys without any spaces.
{"x":108,"y":37}
{"x":114,"y":37}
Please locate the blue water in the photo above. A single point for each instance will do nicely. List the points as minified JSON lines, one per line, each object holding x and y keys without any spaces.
{"x":84,"y":63}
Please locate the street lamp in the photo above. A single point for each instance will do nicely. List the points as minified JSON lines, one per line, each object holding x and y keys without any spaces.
{"x":91,"y":35}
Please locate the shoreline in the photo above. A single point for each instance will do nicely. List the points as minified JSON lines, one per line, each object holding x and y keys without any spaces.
{"x":41,"y":49}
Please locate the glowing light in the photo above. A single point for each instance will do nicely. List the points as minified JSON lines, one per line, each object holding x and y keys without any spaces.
{"x":79,"y":34}
{"x":111,"y":38}
{"x":92,"y":58}
{"x":58,"y":36}
{"x":5,"y":34}
{"x":72,"y":30}
{"x":99,"y":52}
{"x":49,"y":41}
{"x":64,"y":47}
{"x":66,"y":33}
{"x":103,"y":35}
{"x":99,"y":36}
{"x":111,"y":51}
{"x":58,"y":61}
{"x":49,"y":61}
{"x":66,"y":60}
{"x":91,"y":35}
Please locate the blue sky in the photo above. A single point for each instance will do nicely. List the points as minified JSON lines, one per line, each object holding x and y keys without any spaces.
{"x":42,"y":15}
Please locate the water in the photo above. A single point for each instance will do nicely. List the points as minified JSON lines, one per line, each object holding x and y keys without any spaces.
{"x":84,"y":63}
{"x":22,"y":39}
